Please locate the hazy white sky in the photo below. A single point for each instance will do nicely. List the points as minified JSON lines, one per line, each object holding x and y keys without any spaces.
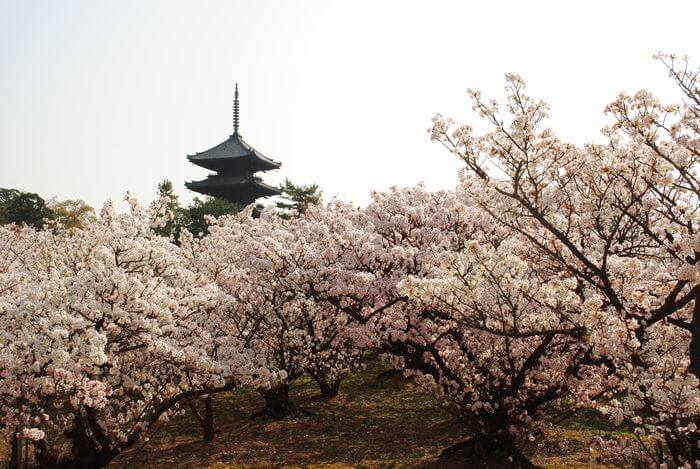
{"x":97,"y":98}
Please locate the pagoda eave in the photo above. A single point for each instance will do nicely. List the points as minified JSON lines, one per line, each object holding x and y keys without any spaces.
{"x":251,"y":162}
{"x":242,"y":192}
{"x":233,"y":153}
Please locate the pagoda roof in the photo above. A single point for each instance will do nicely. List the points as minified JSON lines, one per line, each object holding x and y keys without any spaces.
{"x":241,"y":189}
{"x":233,"y":154}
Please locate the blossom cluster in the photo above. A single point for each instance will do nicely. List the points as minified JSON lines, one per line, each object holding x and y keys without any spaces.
{"x":618,"y":222}
{"x":105,"y":331}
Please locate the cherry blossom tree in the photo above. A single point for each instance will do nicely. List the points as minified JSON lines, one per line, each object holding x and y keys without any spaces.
{"x":104,"y":333}
{"x":261,"y":264}
{"x":442,"y":292}
{"x":499,"y":343}
{"x":620,"y":219}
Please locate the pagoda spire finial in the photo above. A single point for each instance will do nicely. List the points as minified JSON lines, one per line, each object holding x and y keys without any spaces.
{"x":235,"y":111}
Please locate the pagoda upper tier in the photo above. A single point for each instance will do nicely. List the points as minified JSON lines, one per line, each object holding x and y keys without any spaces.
{"x":233,"y":154}
{"x":235,"y":163}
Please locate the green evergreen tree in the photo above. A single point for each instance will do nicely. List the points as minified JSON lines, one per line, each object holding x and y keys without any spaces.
{"x":192,"y":216}
{"x":200,"y":208}
{"x":23,"y":207}
{"x":180,"y":214}
{"x":297,"y":198}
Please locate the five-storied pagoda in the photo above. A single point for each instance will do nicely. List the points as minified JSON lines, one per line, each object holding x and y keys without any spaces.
{"x":235,"y":163}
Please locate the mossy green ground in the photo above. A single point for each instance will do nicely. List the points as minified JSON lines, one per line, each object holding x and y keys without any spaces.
{"x":379,"y":419}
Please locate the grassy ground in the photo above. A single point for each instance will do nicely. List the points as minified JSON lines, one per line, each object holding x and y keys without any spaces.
{"x":379,"y":419}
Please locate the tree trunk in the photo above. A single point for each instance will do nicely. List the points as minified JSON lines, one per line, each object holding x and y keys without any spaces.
{"x":694,"y":352}
{"x":485,"y":453}
{"x":205,"y":418}
{"x":84,"y":451}
{"x":208,"y":419}
{"x":16,"y":455}
{"x":694,"y":348}
{"x":25,"y":459}
{"x":328,"y":389}
{"x":43,"y":455}
{"x":278,"y":405}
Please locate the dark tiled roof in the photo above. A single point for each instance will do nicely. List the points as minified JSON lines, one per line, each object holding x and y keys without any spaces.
{"x":241,"y":189}
{"x":231,"y":154}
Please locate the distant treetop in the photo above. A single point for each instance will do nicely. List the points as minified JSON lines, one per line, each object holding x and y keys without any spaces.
{"x":297,"y":198}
